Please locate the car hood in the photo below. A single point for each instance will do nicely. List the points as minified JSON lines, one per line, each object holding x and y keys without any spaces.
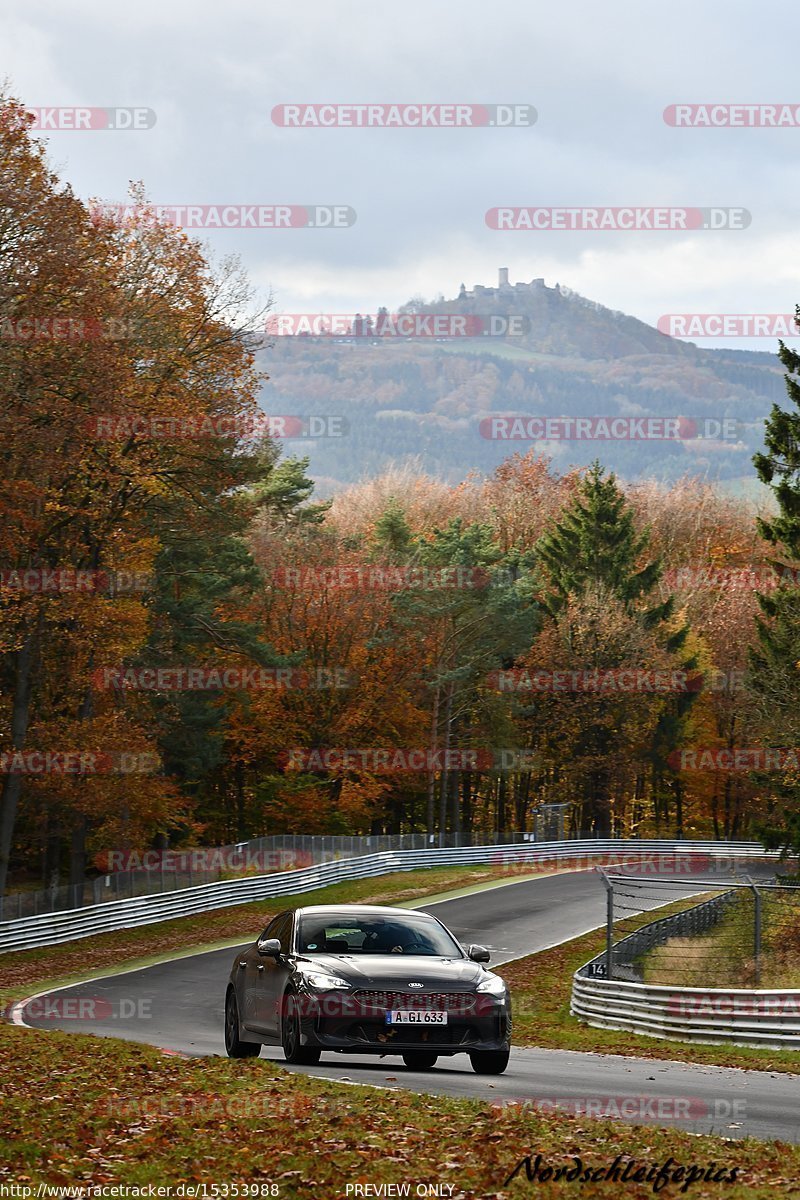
{"x":389,"y":970}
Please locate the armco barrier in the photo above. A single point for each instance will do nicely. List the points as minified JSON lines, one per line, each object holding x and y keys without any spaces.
{"x":171,"y":870}
{"x":762,"y":1017}
{"x":51,"y":928}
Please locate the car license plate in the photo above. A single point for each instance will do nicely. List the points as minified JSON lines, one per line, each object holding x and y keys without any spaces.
{"x":412,"y":1016}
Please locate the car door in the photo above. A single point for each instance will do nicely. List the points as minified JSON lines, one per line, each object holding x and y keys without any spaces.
{"x":252,"y":965}
{"x":272,"y":977}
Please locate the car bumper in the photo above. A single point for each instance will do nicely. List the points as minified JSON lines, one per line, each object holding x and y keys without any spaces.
{"x":486,"y":1027}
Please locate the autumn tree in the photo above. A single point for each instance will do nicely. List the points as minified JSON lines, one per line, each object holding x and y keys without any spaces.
{"x":597,"y":585}
{"x":89,"y":472}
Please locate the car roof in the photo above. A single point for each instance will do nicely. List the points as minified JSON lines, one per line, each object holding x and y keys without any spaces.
{"x":355,"y":910}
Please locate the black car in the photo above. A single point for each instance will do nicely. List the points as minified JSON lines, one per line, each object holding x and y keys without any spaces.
{"x":361,"y":979}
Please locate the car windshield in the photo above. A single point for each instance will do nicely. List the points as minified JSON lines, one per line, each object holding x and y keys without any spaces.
{"x":332,"y":933}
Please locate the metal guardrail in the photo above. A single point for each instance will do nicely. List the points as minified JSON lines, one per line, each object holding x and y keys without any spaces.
{"x":171,"y":870}
{"x":761,"y":1017}
{"x":52,"y":928}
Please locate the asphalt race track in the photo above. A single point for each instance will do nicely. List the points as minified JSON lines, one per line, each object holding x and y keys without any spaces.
{"x":178,"y":1005}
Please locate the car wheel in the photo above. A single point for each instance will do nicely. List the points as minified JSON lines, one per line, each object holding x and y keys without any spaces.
{"x":234,"y":1046}
{"x":293,"y":1052}
{"x":489,"y":1062}
{"x":420,"y":1060}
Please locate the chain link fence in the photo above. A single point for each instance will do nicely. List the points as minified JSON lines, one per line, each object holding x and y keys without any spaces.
{"x":170,"y":870}
{"x":743,"y":933}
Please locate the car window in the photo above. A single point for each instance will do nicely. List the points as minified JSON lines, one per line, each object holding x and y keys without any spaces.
{"x":270,"y":930}
{"x":281,"y":928}
{"x":275,"y":927}
{"x":323,"y":933}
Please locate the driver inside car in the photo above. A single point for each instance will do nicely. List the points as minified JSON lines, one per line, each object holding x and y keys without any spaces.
{"x":394,"y":939}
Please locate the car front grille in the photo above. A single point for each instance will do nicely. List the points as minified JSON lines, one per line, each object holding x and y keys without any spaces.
{"x":411,"y":1035}
{"x":450,"y":1002}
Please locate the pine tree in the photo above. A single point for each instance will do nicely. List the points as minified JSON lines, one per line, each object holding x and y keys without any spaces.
{"x":594,"y":552}
{"x":284,"y":490}
{"x":775,"y":660}
{"x":595,"y":545}
{"x":393,"y":537}
{"x":480,"y":619}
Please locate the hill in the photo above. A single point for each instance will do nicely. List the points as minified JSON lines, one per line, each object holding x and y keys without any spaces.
{"x":428,"y":398}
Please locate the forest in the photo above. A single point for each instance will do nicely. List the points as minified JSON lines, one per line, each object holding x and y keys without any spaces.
{"x":197,"y":649}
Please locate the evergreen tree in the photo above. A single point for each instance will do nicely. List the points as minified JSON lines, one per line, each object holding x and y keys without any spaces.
{"x":595,"y":545}
{"x":482,"y":617}
{"x":204,"y":614}
{"x":775,"y":660}
{"x":284,"y":490}
{"x":592,"y":553}
{"x":393,"y":538}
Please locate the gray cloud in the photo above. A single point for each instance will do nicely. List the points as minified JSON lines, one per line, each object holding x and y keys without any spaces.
{"x":599,"y":76}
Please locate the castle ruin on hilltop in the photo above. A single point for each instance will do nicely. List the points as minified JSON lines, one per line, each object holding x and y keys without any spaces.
{"x":504,"y":288}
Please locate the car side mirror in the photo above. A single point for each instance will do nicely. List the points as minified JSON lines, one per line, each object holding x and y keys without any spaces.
{"x":478,"y":953}
{"x":269,"y":946}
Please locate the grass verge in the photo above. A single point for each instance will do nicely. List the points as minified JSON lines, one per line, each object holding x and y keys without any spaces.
{"x":541,"y":986}
{"x":724,"y":957}
{"x":81,"y":1111}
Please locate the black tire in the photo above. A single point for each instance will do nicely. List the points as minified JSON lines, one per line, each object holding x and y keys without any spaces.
{"x":234,"y":1046}
{"x":489,"y":1062}
{"x":293,"y":1052}
{"x":420,"y":1060}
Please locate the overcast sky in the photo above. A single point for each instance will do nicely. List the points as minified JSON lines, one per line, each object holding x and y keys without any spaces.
{"x":599,"y":77}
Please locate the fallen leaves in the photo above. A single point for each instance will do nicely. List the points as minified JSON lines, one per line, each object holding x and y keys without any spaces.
{"x":339,"y":1134}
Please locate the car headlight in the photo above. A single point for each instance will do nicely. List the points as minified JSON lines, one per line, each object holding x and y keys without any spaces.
{"x":494,"y":985}
{"x":324,"y":983}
